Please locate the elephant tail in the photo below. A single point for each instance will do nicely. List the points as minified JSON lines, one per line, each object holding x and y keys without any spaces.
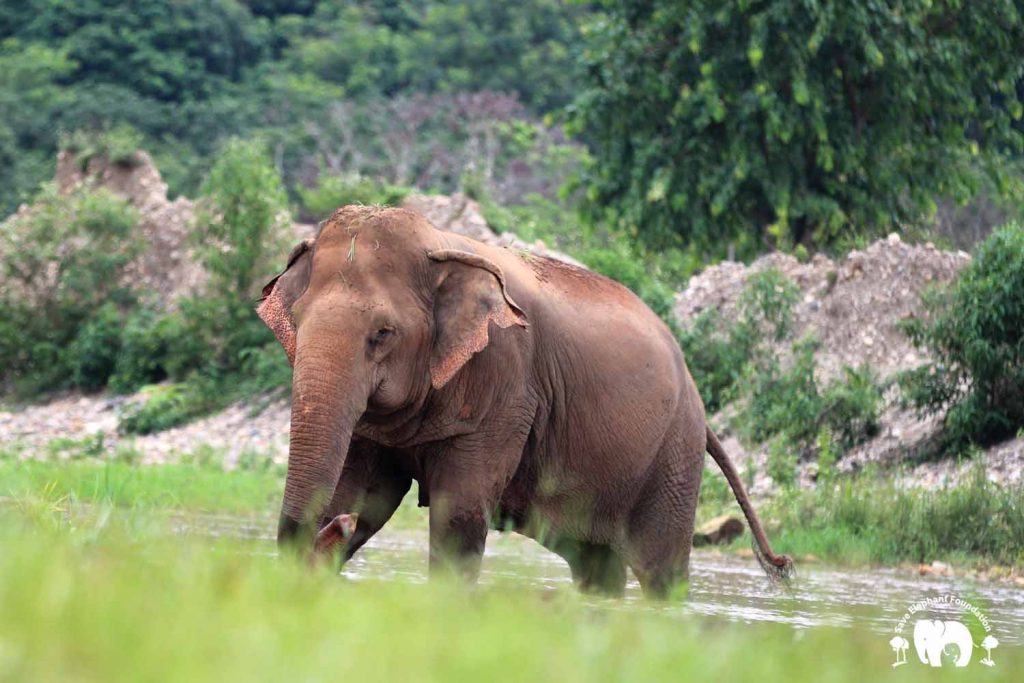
{"x":778,"y":567}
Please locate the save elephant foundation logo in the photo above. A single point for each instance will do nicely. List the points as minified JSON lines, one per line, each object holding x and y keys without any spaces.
{"x":939,"y":640}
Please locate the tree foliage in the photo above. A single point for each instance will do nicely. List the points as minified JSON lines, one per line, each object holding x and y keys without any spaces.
{"x":759,"y":123}
{"x":63,"y":273}
{"x":975,"y":332}
{"x":189,"y":74}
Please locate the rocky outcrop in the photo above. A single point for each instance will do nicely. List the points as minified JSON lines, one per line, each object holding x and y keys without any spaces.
{"x":460,"y":214}
{"x":168,"y":264}
{"x":853,"y":305}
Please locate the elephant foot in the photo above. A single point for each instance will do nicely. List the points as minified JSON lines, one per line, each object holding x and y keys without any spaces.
{"x":331,"y":539}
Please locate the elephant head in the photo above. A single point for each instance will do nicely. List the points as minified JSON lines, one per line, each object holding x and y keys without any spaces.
{"x":932,"y":637}
{"x":374,"y":314}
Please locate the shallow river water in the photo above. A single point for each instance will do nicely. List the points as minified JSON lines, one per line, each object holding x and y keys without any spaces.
{"x":722,"y":586}
{"x":729,"y":586}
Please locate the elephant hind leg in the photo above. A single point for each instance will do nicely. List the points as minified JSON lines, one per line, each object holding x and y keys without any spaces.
{"x":596,"y":569}
{"x":660,"y":529}
{"x":601,"y":571}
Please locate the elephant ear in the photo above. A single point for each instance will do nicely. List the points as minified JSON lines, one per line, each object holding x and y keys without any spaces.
{"x":472,"y":294}
{"x":275,"y":307}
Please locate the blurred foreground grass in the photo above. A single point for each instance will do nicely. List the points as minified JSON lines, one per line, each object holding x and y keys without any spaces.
{"x":87,"y":595}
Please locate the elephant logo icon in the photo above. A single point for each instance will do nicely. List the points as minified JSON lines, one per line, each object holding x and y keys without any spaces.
{"x":935,"y":638}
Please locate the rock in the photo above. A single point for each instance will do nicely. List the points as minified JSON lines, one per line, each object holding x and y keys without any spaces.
{"x":460,"y":214}
{"x":936,"y":568}
{"x":718,"y":531}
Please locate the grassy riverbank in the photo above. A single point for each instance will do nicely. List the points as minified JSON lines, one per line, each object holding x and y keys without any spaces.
{"x":870,"y":519}
{"x":92,"y":596}
{"x":858,"y":521}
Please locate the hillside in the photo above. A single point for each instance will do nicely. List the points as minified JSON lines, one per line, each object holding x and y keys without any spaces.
{"x":853,"y":306}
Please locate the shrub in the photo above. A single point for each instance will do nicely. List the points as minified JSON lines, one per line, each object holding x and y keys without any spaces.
{"x":889,"y":522}
{"x":168,"y":405}
{"x":718,"y":353}
{"x":92,"y":356}
{"x":118,"y":145}
{"x":975,"y":332}
{"x":783,"y":402}
{"x":850,"y":407}
{"x":781,"y":465}
{"x":780,"y":398}
{"x":243,"y":231}
{"x":63,"y":269}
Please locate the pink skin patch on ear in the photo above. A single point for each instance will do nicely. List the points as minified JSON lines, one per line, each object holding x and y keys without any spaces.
{"x":445,"y":368}
{"x":279,"y":320}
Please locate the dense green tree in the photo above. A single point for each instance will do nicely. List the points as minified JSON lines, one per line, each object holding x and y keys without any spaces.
{"x":170,"y":51}
{"x":733,"y":121}
{"x":187,"y":74}
{"x":383,"y":47}
{"x":31,"y":98}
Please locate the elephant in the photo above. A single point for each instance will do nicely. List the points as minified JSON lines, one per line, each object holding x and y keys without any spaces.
{"x":932,"y":637}
{"x":520,"y":392}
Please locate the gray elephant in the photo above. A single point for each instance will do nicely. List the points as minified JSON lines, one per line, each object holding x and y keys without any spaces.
{"x":518,"y":391}
{"x":932,"y":637}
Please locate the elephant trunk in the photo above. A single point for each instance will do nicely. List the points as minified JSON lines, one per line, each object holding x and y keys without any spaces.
{"x":328,"y":398}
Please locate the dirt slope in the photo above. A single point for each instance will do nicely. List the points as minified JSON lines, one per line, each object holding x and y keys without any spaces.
{"x":854,"y":306}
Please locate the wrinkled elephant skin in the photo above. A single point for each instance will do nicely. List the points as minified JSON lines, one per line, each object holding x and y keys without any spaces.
{"x":519,"y":392}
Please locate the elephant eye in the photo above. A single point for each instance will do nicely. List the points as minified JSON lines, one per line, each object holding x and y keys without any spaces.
{"x":380,"y":336}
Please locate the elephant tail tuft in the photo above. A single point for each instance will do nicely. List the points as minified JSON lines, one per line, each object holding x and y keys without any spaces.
{"x":777,"y":567}
{"x":783,"y":571}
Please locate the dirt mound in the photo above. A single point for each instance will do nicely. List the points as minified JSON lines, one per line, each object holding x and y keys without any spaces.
{"x":853,"y":306}
{"x":460,"y":214}
{"x":167,"y":265}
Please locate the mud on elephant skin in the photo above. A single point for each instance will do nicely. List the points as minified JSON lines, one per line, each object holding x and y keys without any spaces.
{"x":519,"y":392}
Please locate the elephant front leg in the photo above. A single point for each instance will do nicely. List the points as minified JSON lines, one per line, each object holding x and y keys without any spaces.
{"x":457,"y":537}
{"x":370,"y":489}
{"x":464,"y":486}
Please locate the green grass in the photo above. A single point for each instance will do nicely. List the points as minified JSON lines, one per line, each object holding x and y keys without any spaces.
{"x":871,"y":520}
{"x":856,"y":521}
{"x":199,"y":485}
{"x":178,"y":486}
{"x":107,"y":598}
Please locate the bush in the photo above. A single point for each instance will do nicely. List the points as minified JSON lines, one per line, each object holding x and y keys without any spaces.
{"x":118,"y":145}
{"x":780,"y":399}
{"x":215,"y":347}
{"x":975,"y":332}
{"x":718,"y":353}
{"x":92,"y":356}
{"x":884,"y":521}
{"x":63,"y":268}
{"x":784,"y":402}
{"x":168,"y":405}
{"x":850,"y":407}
